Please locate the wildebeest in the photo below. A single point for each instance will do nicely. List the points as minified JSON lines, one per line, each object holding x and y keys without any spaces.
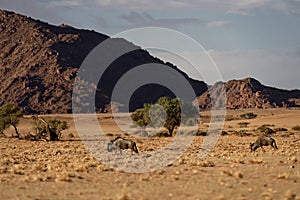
{"x":120,"y":143}
{"x":263,"y":141}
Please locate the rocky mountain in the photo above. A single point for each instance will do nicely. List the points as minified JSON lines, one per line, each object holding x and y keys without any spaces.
{"x":249,"y":93}
{"x":39,"y":63}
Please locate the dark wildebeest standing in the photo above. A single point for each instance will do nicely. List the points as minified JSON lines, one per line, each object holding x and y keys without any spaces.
{"x":121,"y":143}
{"x":263,"y":141}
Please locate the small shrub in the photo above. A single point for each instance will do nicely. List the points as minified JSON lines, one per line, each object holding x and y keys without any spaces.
{"x":269,"y":131}
{"x":109,"y":134}
{"x":229,"y":118}
{"x":280,"y":129}
{"x":58,"y":125}
{"x":201,"y":133}
{"x":296,"y":128}
{"x":48,"y":130}
{"x":248,"y":115}
{"x":243,"y":124}
{"x":224,"y":133}
{"x":70,"y":135}
{"x":265,"y":129}
{"x":268,"y":125}
{"x":162,"y":134}
{"x":241,"y":133}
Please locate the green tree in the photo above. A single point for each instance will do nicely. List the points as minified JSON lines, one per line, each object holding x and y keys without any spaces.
{"x":157,"y":116}
{"x":49,"y":130}
{"x":3,"y":126}
{"x":166,"y":112}
{"x":140,"y":116}
{"x":10,"y":116}
{"x":173,"y":110}
{"x":58,"y":126}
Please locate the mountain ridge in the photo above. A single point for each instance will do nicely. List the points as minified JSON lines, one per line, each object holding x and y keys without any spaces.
{"x":39,"y":63}
{"x":249,"y":93}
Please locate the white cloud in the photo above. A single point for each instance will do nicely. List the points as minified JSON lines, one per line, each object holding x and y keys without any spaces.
{"x":279,"y":68}
{"x":32,"y":8}
{"x":52,"y":11}
{"x":144,"y":19}
{"x":64,"y":3}
{"x":216,"y":24}
{"x":241,"y":7}
{"x":136,"y":17}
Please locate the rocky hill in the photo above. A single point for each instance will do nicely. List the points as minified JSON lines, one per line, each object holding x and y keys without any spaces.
{"x":249,"y":93}
{"x":39,"y":63}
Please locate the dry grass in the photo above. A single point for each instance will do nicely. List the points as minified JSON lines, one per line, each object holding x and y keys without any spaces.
{"x":66,"y":169}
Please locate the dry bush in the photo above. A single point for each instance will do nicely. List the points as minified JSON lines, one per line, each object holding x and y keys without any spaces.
{"x":241,"y":133}
{"x":248,"y":115}
{"x":243,"y":124}
{"x":265,"y":129}
{"x":280,"y":129}
{"x":296,"y":128}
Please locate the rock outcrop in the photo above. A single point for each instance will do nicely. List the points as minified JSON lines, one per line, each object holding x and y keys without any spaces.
{"x":249,"y":93}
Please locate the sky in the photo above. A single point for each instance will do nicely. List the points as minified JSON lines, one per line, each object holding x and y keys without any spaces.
{"x":245,"y":38}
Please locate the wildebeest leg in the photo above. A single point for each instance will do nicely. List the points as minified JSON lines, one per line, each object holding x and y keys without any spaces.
{"x":251,"y":147}
{"x":109,"y":147}
{"x":274,"y":145}
{"x":136,"y":150}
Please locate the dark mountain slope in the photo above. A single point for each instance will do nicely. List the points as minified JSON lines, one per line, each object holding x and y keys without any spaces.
{"x":39,"y":63}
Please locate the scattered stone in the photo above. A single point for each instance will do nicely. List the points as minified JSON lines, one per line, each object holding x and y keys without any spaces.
{"x":161,"y":171}
{"x":294,"y":159}
{"x":123,"y":197}
{"x":289,"y":195}
{"x":181,"y":161}
{"x":266,"y":196}
{"x":63,"y":177}
{"x":283,"y":176}
{"x":144,"y":179}
{"x":255,"y":161}
{"x":226,"y":172}
{"x":205,"y":163}
{"x":220,"y":197}
{"x":238,"y":174}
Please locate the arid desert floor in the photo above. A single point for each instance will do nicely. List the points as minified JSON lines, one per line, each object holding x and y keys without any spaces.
{"x":67,"y":170}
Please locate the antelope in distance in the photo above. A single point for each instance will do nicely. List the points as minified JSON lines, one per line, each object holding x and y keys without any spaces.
{"x":120,"y":143}
{"x":263,"y":141}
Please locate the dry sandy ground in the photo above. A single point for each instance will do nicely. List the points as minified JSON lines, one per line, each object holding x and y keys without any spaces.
{"x":66,"y":169}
